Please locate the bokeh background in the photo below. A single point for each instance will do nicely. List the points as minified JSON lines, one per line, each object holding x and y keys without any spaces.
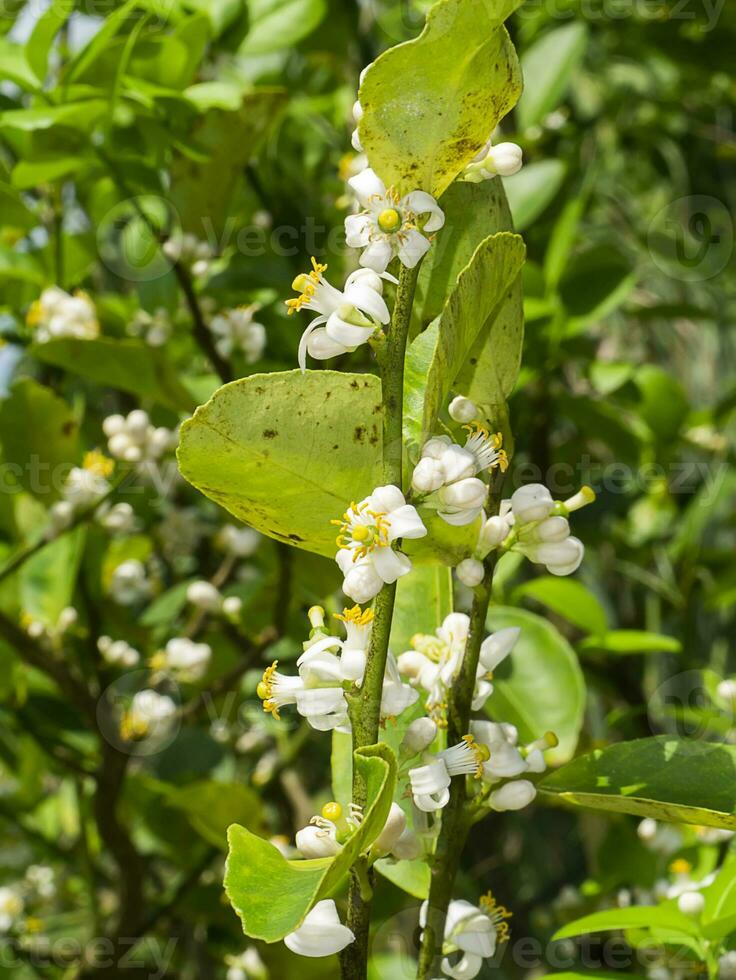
{"x":222,"y":127}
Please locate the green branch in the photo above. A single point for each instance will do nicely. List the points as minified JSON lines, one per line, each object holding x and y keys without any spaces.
{"x":365,"y":708}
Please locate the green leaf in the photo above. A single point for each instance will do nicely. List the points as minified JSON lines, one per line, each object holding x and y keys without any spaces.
{"x":540,"y":686}
{"x":548,"y":66}
{"x":72,"y":115}
{"x":412,"y":877}
{"x":40,"y":438}
{"x":48,"y":579}
{"x":92,"y":51}
{"x":129,"y":365}
{"x":272,"y":895}
{"x":42,"y":37}
{"x":220,"y":13}
{"x":665,"y":917}
{"x":438,"y":356}
{"x":277,"y":24}
{"x":596,"y":282}
{"x":287,"y":452}
{"x":719,"y":914}
{"x":664,"y":404}
{"x":568,"y":598}
{"x":14,"y":66}
{"x":533,"y":189}
{"x":472,"y":213}
{"x":423,"y":599}
{"x":29,"y":173}
{"x":430,"y":104}
{"x":672,"y":779}
{"x":632,"y":641}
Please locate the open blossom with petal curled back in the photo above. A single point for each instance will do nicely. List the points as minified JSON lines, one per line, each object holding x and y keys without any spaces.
{"x":182,"y":659}
{"x":508,"y":760}
{"x":368,"y":531}
{"x":57,"y":314}
{"x":388,"y":225}
{"x":346,"y":318}
{"x":435,"y":661}
{"x":430,"y":784}
{"x":236,"y":330}
{"x":473,"y":931}
{"x":502,"y":160}
{"x":321,"y":933}
{"x":535,"y":525}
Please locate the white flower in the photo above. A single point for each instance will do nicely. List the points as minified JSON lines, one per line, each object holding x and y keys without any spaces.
{"x":129,"y":584}
{"x":473,"y":931}
{"x":503,"y":160}
{"x":318,"y":839}
{"x":462,"y":502}
{"x":428,"y":475}
{"x":505,"y":760}
{"x":353,"y":649}
{"x":430,"y":783}
{"x":11,"y":908}
{"x":396,"y":696}
{"x":183,"y":658}
{"x":119,"y":653}
{"x":149,"y":713}
{"x":532,"y":502}
{"x":367,"y":532}
{"x":246,"y":966}
{"x":321,"y":933}
{"x":236,"y":330}
{"x":387,"y":225}
{"x":346,"y":319}
{"x":205,"y":596}
{"x":57,"y":314}
{"x":726,"y":690}
{"x":470,"y":572}
{"x":232,"y":606}
{"x":119,"y":519}
{"x":154,"y":328}
{"x":190,"y":251}
{"x":461,"y":409}
{"x":727,"y":966}
{"x":513,"y":796}
{"x":133,"y":439}
{"x":392,"y":830}
{"x":493,"y":533}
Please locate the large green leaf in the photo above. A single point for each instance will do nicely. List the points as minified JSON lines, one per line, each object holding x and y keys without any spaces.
{"x":212,"y":807}
{"x":540,"y":686}
{"x":548,"y":66}
{"x":719,"y":914}
{"x":130,"y":365}
{"x":632,"y":641}
{"x":533,"y":189}
{"x":287,"y":452}
{"x":48,"y":579}
{"x":439,"y":355}
{"x":430,"y":104}
{"x":423,"y":599}
{"x":40,"y":438}
{"x":272,"y":895}
{"x":568,"y":598}
{"x":673,"y":779}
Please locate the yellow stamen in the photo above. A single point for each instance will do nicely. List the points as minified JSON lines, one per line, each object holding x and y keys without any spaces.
{"x":157,"y":661}
{"x":356,"y":615}
{"x":97,"y":463}
{"x":681,"y":867}
{"x":305,"y":284}
{"x":480,"y":752}
{"x":35,"y":314}
{"x":497,"y":914}
{"x":265,"y":691}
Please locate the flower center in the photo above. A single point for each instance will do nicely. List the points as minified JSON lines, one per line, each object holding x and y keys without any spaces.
{"x":356,"y":616}
{"x":389,"y":220}
{"x":306,"y":284}
{"x":486,"y":447}
{"x":362,"y":530}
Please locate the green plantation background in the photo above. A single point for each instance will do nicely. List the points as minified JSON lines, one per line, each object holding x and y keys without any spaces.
{"x":224,"y":127}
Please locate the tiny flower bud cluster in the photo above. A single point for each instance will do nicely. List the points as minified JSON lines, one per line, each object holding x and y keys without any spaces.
{"x":208,"y":599}
{"x":117,"y":653}
{"x":182,"y":659}
{"x":133,"y":439}
{"x":236,"y":331}
{"x":56,"y":314}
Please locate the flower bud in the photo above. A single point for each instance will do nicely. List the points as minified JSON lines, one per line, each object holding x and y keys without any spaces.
{"x":113,"y":425}
{"x":467,"y":494}
{"x":691,"y":903}
{"x":531,"y":503}
{"x":428,"y":476}
{"x":470,"y":572}
{"x":436,"y":447}
{"x":496,"y":647}
{"x":392,"y":830}
{"x":551,"y":529}
{"x":647,"y":829}
{"x":561,"y":558}
{"x":505,"y":159}
{"x":463,"y":410}
{"x":232,"y":606}
{"x":361,"y":583}
{"x":513,"y":796}
{"x":493,"y":533}
{"x":204,"y":596}
{"x":137,"y":423}
{"x":419,"y":735}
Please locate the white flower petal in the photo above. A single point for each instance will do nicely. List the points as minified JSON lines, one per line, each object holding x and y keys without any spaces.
{"x":406,"y":523}
{"x":389,"y":564}
{"x":358,"y":230}
{"x":420,"y":202}
{"x":413,"y":248}
{"x":348,"y":335}
{"x":377,"y":255}
{"x":366,"y":185}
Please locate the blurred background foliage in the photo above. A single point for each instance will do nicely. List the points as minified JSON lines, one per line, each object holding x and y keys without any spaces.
{"x":229,"y":120}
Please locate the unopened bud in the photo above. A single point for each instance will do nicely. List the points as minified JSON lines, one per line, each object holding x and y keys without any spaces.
{"x":470,"y":572}
{"x":419,"y":736}
{"x":463,"y":410}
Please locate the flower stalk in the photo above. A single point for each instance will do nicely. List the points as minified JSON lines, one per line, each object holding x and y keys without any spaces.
{"x":365,"y":708}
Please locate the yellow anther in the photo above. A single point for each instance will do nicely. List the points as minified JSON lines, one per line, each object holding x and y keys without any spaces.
{"x":332,"y":811}
{"x":356,"y":615}
{"x":551,"y":739}
{"x":497,"y":914}
{"x":265,"y":690}
{"x":389,"y":220}
{"x":681,"y":867}
{"x":35,"y":315}
{"x":157,"y":661}
{"x":301,"y":282}
{"x":97,"y":463}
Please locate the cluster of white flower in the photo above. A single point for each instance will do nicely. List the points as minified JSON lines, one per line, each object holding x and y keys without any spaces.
{"x":208,"y":599}
{"x":190,"y":251}
{"x":182,"y":659}
{"x":56,"y":314}
{"x":129,"y":583}
{"x":41,"y":880}
{"x":155,"y":328}
{"x":85,"y":486}
{"x":368,"y":532}
{"x":133,"y":439}
{"x":236,"y":330}
{"x":117,"y":653}
{"x":327,"y":664}
{"x":149,"y":714}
